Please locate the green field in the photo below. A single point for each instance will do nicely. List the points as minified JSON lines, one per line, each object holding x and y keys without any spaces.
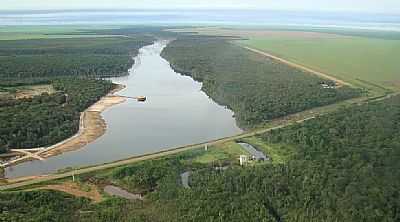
{"x":278,"y":153}
{"x":374,"y":60}
{"x":225,"y":151}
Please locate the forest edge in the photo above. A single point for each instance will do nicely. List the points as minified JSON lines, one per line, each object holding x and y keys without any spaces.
{"x":91,"y":127}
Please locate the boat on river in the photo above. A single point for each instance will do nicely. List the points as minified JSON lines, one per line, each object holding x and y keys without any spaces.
{"x":141,"y":98}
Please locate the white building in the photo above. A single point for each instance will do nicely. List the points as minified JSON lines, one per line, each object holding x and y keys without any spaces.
{"x":243,"y":160}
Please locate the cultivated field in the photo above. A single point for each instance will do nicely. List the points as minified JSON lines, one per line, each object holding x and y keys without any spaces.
{"x":360,"y":58}
{"x":349,"y":58}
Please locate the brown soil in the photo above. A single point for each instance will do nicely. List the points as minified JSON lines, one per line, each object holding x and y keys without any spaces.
{"x":75,"y":190}
{"x":32,"y":91}
{"x":21,"y":179}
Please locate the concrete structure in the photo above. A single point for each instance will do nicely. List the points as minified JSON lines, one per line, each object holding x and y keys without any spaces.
{"x":327,"y":86}
{"x":243,"y":159}
{"x":255,"y":154}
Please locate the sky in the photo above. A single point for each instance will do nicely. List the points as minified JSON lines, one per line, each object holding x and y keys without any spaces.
{"x":382,"y":6}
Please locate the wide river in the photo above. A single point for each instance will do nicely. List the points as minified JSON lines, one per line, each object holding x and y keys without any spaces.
{"x":176,"y":113}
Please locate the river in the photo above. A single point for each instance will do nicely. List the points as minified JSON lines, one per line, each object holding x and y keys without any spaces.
{"x":176,"y":113}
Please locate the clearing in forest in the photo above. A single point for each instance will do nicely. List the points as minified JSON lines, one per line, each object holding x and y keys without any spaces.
{"x":89,"y":191}
{"x":26,"y":91}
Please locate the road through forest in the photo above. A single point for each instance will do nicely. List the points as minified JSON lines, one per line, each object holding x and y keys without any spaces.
{"x":44,"y":178}
{"x":288,"y":120}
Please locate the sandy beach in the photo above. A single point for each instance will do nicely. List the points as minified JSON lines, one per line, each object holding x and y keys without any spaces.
{"x":92,"y":125}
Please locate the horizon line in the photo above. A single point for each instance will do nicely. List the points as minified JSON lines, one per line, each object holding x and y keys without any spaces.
{"x":201,"y":9}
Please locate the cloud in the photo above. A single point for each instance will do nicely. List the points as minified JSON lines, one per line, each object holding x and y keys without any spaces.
{"x":331,"y":5}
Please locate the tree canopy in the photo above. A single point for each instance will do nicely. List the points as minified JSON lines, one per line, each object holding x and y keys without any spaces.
{"x":256,"y":88}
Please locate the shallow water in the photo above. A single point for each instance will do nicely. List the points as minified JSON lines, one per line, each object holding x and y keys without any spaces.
{"x":176,"y":113}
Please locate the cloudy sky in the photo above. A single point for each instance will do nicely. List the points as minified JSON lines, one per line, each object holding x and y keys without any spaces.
{"x":328,"y":5}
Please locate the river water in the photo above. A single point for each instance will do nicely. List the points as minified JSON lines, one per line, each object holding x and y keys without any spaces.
{"x":176,"y":113}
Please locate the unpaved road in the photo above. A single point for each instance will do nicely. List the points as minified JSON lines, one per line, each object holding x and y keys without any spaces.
{"x":298,"y":66}
{"x":44,"y":178}
{"x":275,"y":124}
{"x":91,"y":127}
{"x":285,"y":121}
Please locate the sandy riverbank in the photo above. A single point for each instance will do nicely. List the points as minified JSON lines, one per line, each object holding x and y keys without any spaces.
{"x":92,"y":125}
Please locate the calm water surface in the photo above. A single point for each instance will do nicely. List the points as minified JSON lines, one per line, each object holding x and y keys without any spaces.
{"x":176,"y":113}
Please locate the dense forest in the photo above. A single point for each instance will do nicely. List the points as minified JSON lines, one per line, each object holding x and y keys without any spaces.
{"x":40,"y":206}
{"x":47,"y":119}
{"x":73,"y":67}
{"x":98,"y":57}
{"x":255,"y":88}
{"x":345,"y":167}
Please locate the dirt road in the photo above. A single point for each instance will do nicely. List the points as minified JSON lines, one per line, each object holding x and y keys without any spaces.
{"x":298,"y":66}
{"x":288,"y":120}
{"x":275,"y":124}
{"x":91,"y":127}
{"x":74,"y":189}
{"x":40,"y":179}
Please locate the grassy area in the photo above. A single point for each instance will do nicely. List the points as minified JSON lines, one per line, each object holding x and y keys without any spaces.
{"x":348,"y":58}
{"x":221,"y":152}
{"x":279,"y":154}
{"x":227,"y":152}
{"x":224,"y":151}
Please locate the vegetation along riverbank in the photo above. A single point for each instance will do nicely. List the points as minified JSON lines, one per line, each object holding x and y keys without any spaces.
{"x":42,"y":100}
{"x":256,"y":88}
{"x":275,"y":190}
{"x":332,"y":152}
